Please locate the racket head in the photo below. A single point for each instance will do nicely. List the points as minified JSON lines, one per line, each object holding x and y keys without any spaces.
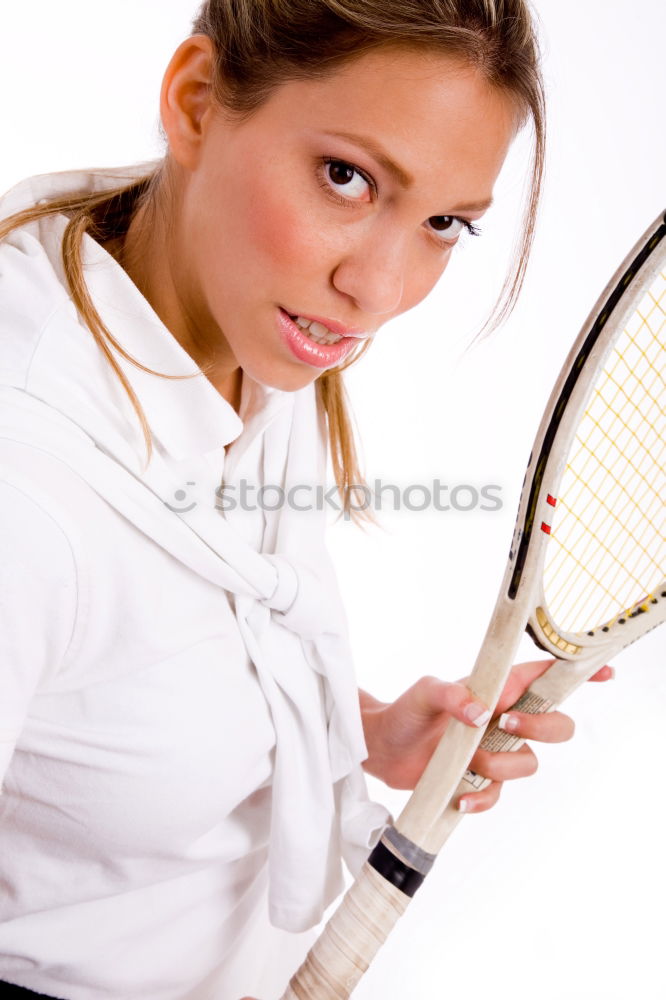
{"x":590,"y":538}
{"x":523,"y":601}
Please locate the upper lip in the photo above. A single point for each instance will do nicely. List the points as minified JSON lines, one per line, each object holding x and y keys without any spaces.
{"x":333,"y":325}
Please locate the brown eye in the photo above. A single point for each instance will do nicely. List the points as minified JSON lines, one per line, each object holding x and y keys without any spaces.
{"x":340,"y":173}
{"x":448,"y":227}
{"x":442,"y":223}
{"x":347,"y":179}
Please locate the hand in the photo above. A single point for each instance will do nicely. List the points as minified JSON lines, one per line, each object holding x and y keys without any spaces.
{"x":402,"y":736}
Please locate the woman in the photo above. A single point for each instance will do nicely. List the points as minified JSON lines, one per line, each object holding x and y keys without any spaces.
{"x":182,"y":734}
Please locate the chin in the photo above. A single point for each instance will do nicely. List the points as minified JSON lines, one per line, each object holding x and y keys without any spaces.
{"x":286,"y":381}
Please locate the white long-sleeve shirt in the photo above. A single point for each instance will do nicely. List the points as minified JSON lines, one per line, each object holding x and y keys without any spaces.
{"x":137,"y":721}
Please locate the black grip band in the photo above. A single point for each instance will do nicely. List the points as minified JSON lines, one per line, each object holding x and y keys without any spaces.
{"x":394,"y":870}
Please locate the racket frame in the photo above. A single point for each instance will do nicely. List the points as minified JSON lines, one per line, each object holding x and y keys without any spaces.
{"x":407,"y":850}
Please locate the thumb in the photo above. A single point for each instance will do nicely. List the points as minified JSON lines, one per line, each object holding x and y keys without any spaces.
{"x":432,"y":696}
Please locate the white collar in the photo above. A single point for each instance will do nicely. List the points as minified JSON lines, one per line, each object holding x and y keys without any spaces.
{"x":188,"y":417}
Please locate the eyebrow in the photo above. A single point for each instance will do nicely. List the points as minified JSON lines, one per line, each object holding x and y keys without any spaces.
{"x":372,"y":147}
{"x":404,"y":178}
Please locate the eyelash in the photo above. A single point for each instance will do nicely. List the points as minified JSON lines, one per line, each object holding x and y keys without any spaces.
{"x":326,"y":161}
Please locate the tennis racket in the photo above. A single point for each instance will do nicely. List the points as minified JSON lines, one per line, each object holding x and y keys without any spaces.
{"x":586,"y":576}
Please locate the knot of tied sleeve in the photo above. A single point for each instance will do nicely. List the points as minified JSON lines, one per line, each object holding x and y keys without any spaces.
{"x":296,"y":639}
{"x":286,"y":585}
{"x":307,"y":605}
{"x":296,"y":636}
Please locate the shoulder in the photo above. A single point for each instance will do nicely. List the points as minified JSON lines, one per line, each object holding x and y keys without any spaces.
{"x":44,"y":508}
{"x":39,"y":586}
{"x":39,"y":606}
{"x":43,"y":496}
{"x":36,"y":547}
{"x":31,"y":293}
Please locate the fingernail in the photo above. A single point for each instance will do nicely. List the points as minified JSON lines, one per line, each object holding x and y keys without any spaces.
{"x":476,"y":714}
{"x":509,"y":723}
{"x":464,"y":806}
{"x":612,"y":671}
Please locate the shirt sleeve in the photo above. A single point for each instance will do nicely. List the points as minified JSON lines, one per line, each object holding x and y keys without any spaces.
{"x":38,"y":604}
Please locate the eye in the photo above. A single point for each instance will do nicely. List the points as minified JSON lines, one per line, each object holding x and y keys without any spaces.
{"x":449,"y":227}
{"x":345,"y":179}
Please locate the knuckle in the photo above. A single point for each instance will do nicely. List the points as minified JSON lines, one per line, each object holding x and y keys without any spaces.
{"x":424,"y":692}
{"x":424,"y":684}
{"x":483,"y":761}
{"x":495,"y":766}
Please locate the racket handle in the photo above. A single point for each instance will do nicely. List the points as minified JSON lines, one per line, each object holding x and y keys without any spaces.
{"x":544,"y":694}
{"x":494,"y":739}
{"x":371,"y":906}
{"x":352,"y":937}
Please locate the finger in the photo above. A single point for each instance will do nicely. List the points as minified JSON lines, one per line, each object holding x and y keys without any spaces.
{"x":606,"y":673}
{"x":518,"y":681}
{"x":524,"y":674}
{"x":477,"y":802}
{"x":505,"y":765}
{"x":549,"y":727}
{"x":433,"y":696}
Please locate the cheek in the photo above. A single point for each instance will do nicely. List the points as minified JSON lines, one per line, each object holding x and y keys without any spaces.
{"x":424,"y":274}
{"x":280,"y":229}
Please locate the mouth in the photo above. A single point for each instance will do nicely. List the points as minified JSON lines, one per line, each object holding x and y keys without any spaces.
{"x":317,"y":343}
{"x":325,"y":331}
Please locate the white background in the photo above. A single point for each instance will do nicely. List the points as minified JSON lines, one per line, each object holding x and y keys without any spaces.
{"x":558,"y":891}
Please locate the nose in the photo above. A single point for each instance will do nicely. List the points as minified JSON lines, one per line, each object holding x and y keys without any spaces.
{"x":373,"y":272}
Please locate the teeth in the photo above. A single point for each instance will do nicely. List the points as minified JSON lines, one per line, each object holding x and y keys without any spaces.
{"x":317,"y":331}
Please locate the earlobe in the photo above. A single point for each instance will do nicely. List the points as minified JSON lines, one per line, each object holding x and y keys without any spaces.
{"x":186,"y":96}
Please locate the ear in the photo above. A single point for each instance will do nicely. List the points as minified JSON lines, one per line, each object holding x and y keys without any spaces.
{"x":186,"y":98}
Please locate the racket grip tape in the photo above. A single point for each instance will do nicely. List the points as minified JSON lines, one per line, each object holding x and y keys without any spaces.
{"x":496,"y":739}
{"x":352,"y":937}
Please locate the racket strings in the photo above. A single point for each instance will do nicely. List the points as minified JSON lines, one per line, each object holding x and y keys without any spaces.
{"x":607,"y":547}
{"x":606,"y":587}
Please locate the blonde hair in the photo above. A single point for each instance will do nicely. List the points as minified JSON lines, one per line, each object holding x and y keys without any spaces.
{"x":260,"y":44}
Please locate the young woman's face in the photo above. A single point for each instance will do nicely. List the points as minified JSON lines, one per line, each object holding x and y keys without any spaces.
{"x":339,"y":201}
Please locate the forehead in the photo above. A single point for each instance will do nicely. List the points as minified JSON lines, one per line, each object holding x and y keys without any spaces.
{"x":435,"y":115}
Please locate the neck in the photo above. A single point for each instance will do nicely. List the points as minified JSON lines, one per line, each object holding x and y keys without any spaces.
{"x":147,"y":254}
